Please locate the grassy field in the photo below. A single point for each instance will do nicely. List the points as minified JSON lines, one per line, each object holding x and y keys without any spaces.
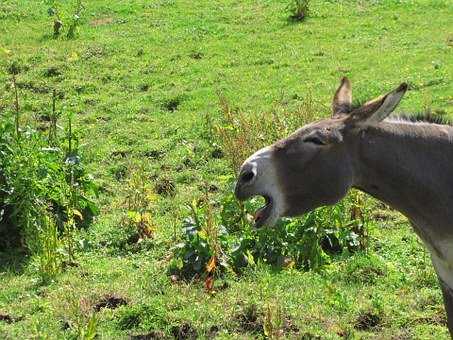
{"x":141,"y":78}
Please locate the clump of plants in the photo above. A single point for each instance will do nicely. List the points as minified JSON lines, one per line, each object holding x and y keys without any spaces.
{"x":45,"y":190}
{"x":239,"y":134}
{"x":307,"y":243}
{"x":139,"y":201}
{"x":201,"y":254}
{"x":219,"y":238}
{"x":65,"y":19}
{"x":298,"y":9}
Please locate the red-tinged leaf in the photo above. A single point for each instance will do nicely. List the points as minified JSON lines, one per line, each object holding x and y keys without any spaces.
{"x":211,"y":265}
{"x":209,"y":283}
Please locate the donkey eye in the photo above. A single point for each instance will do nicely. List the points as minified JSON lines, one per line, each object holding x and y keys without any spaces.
{"x":314,"y":140}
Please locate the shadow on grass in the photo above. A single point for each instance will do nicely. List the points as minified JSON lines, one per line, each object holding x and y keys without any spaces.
{"x":12,"y":260}
{"x":13,"y":255}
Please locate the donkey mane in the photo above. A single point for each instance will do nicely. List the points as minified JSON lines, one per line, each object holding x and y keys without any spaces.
{"x":418,"y":117}
{"x":423,"y":117}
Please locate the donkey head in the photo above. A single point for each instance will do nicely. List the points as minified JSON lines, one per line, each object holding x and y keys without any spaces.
{"x":315,"y":165}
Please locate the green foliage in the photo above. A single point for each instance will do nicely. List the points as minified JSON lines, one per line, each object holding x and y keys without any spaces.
{"x":139,"y":200}
{"x":89,"y":331}
{"x":49,"y":245}
{"x":273,"y":322}
{"x":45,"y":192}
{"x":307,"y":243}
{"x":204,"y":239}
{"x":83,"y":320}
{"x":239,"y":134}
{"x":299,"y":9}
{"x":64,"y":17}
{"x":366,"y":269}
{"x":145,"y":316}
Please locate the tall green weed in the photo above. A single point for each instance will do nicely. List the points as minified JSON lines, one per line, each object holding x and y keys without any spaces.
{"x":45,"y":191}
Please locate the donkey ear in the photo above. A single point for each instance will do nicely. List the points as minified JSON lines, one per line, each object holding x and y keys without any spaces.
{"x":380,"y":108}
{"x":342,"y":101}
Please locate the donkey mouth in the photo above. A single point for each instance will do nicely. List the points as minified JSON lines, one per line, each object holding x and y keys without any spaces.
{"x":264,"y":213}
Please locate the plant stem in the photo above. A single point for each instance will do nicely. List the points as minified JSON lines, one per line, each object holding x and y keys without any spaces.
{"x":193,"y":208}
{"x":53,"y":120}
{"x":16,"y":106}
{"x":70,"y":137}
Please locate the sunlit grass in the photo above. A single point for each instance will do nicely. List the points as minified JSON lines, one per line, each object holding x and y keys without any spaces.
{"x":141,"y":77}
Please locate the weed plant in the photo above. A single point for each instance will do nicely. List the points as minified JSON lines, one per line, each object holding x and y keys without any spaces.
{"x":308,"y":242}
{"x":240,"y":134}
{"x":45,"y":191}
{"x":228,"y":238}
{"x":139,"y":200}
{"x":64,"y":17}
{"x":298,"y":9}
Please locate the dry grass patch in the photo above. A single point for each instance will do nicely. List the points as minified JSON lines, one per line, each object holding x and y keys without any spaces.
{"x":241,"y":134}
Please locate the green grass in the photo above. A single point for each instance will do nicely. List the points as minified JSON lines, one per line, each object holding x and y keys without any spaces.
{"x":140,"y":77}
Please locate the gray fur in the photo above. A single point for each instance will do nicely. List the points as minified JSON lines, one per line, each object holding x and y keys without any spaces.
{"x":407,"y":165}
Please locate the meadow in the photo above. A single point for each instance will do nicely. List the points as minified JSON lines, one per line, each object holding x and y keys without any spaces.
{"x":141,"y":112}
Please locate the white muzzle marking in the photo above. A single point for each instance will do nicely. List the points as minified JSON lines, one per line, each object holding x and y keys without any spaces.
{"x":265,"y":182}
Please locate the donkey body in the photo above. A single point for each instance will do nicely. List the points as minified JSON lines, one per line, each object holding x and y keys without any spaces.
{"x":408,"y":165}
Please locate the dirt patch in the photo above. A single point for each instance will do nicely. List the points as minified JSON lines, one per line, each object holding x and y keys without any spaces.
{"x":367,"y":320}
{"x":212,"y":332}
{"x":289,"y":326}
{"x":196,"y":55}
{"x":52,"y":71}
{"x":435,"y":319}
{"x":70,"y":264}
{"x":120,"y":154}
{"x":101,"y":22}
{"x":143,"y":87}
{"x":8,"y":318}
{"x":165,"y":187}
{"x":172,"y":104}
{"x":65,"y":325}
{"x":149,"y":336}
{"x":249,"y":320}
{"x":33,"y":87}
{"x":154,"y":154}
{"x":208,"y":187}
{"x":382,"y":215}
{"x":217,"y":153}
{"x":184,"y":331}
{"x":120,"y":172}
{"x":110,"y":301}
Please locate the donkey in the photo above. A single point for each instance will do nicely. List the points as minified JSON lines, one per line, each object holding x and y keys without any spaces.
{"x":408,"y":165}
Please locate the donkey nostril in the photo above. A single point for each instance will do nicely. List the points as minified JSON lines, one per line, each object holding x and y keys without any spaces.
{"x":247,"y":176}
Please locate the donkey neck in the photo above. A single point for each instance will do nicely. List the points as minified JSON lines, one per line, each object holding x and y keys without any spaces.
{"x":410,"y":167}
